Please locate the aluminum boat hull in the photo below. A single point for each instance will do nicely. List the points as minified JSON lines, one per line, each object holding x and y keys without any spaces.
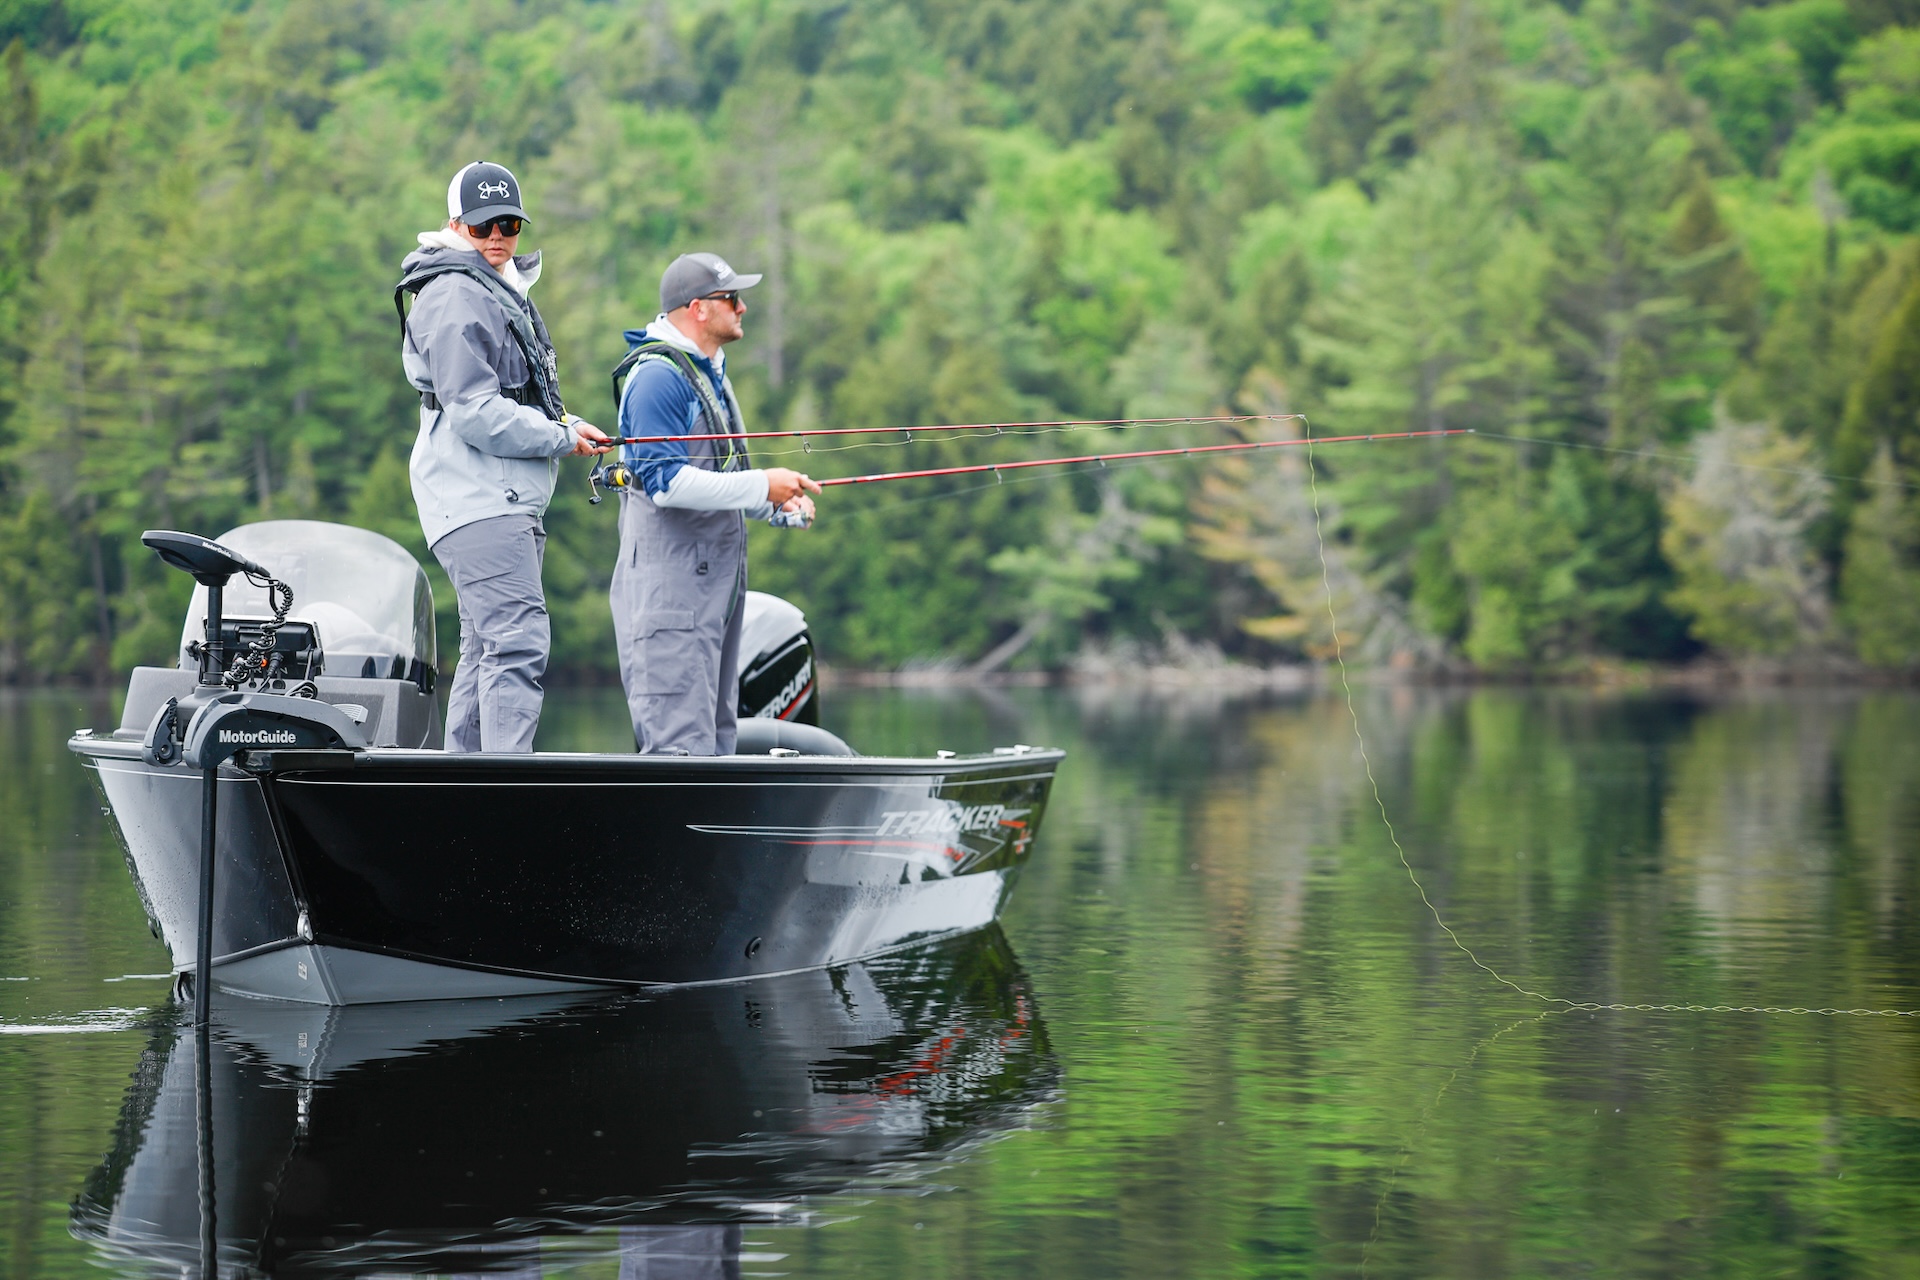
{"x":392,"y":874}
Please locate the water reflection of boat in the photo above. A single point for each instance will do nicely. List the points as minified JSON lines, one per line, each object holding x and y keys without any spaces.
{"x":355,"y":866}
{"x":456,"y":1135}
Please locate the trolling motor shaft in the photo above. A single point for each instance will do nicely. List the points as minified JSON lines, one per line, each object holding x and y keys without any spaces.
{"x":211,"y":565}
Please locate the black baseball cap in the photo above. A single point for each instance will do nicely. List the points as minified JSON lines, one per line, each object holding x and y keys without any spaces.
{"x":482,"y":191}
{"x":695,"y":275}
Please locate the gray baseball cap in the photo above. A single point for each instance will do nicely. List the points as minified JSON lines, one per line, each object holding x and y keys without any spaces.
{"x":694,"y":275}
{"x":483,"y":190}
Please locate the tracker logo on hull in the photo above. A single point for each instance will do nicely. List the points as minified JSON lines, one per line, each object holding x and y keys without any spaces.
{"x":944,"y":822}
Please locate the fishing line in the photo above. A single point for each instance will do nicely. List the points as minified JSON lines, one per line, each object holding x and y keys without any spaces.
{"x":1426,"y":1118}
{"x":1076,"y":466}
{"x":1353,"y":714}
{"x":963,"y":491}
{"x":1694,"y":459}
{"x":1081,"y":465}
{"x":1178,"y":451}
{"x":998,"y":428}
{"x":923,"y":435}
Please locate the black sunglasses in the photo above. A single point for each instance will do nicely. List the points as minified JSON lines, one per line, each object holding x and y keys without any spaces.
{"x":509,"y":225}
{"x":731,"y":297}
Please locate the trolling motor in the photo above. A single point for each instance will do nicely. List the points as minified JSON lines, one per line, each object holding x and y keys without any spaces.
{"x":218,"y":720}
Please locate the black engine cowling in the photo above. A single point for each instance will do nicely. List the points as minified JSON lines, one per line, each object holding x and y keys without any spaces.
{"x":778,"y":674}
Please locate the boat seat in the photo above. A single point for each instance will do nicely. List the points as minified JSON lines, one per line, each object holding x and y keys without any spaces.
{"x":759,"y":735}
{"x":398,"y":714}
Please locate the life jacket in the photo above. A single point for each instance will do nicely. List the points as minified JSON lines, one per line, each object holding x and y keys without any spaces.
{"x":542,"y":390}
{"x":716,"y":415}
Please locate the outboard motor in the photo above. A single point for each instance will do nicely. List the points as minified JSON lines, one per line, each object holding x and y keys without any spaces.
{"x":358,"y":634}
{"x":779,"y":684}
{"x":777,"y":672}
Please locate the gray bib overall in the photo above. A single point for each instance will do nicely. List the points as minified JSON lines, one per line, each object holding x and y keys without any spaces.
{"x":677,"y":595}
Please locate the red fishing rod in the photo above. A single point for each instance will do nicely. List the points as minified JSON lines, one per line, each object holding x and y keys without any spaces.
{"x":1022,"y":465}
{"x":617,"y":475}
{"x":965,"y":426}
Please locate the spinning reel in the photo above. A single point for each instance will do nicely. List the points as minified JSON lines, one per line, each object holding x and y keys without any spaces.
{"x":612,"y":475}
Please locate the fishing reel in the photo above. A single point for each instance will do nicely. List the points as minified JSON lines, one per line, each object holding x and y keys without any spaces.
{"x":614,"y":475}
{"x":790,"y":519}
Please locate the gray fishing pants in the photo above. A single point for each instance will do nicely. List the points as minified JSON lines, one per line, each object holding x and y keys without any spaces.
{"x":678,"y":598}
{"x":494,"y":704}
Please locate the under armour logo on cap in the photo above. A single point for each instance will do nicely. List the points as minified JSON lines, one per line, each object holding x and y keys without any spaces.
{"x":482,"y":191}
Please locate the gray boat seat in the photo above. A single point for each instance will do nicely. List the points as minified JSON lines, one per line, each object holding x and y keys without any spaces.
{"x":398,"y":714}
{"x":759,"y":735}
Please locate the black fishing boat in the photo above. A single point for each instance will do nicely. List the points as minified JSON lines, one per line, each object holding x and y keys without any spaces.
{"x":469,"y":1136}
{"x":285,"y":763}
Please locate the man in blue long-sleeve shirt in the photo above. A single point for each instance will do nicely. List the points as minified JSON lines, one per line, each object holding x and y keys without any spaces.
{"x":682,"y":574}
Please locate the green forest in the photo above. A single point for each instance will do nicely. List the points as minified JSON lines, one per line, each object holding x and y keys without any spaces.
{"x":1662,"y":257}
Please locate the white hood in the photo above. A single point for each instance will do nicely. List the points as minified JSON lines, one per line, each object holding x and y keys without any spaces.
{"x":511,"y":271}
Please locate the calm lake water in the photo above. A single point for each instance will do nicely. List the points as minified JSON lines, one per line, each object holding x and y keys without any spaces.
{"x":1219,"y":1033}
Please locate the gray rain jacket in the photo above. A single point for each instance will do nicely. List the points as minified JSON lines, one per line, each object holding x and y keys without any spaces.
{"x":481,"y":453}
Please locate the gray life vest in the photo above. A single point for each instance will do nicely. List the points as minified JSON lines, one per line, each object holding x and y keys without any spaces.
{"x":719,"y":452}
{"x":523,"y":322}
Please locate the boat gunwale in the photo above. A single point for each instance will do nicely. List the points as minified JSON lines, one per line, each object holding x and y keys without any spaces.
{"x":415,"y":762}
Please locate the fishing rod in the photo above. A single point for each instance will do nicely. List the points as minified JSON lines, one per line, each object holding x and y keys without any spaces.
{"x":1023,"y":464}
{"x":1000,"y":427}
{"x":618,"y":475}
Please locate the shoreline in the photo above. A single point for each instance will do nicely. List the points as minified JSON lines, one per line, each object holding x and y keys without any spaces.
{"x":1227,"y":676}
{"x":1298,"y":677}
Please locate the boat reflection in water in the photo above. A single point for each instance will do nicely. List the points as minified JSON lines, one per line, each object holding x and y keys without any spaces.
{"x":501,"y":1135}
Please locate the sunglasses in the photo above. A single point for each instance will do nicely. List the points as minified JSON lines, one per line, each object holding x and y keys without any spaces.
{"x":509,"y":227}
{"x":731,"y":298}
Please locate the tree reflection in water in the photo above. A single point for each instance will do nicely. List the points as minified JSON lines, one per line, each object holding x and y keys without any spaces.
{"x":1274,"y":1063}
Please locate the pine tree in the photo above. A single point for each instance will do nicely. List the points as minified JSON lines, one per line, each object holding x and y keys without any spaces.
{"x":1880,"y":585}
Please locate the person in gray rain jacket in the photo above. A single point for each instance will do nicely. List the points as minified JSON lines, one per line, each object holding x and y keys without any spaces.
{"x":679,"y":584}
{"x":492,"y":429}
